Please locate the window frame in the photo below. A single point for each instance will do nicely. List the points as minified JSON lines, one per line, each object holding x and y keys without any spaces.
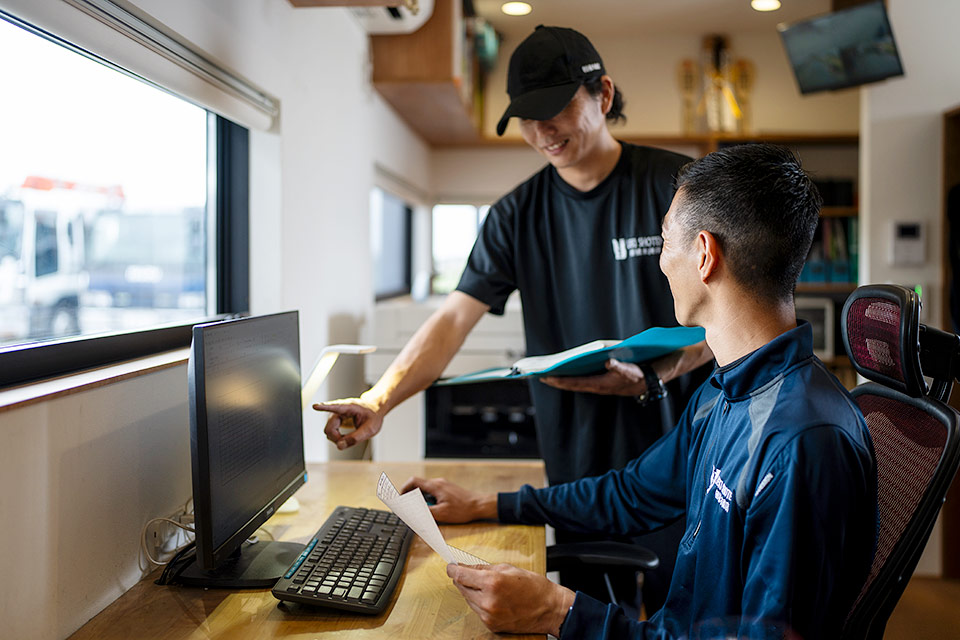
{"x":31,"y":362}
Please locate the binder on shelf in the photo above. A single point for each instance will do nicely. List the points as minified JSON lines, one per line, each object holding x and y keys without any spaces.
{"x":815,"y":268}
{"x":590,"y":358}
{"x":839,"y":257}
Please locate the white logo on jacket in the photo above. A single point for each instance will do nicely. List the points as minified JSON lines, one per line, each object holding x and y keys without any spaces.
{"x":723,"y":493}
{"x":624,"y":248}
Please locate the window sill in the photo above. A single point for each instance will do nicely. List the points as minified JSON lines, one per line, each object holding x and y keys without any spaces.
{"x":34,"y":392}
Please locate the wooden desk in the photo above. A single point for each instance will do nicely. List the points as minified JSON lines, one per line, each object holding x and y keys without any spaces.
{"x":425,"y":604}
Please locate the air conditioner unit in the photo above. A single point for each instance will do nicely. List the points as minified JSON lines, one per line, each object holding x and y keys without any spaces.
{"x":393,"y":20}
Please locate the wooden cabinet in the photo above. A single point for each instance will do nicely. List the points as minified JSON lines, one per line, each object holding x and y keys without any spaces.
{"x":427,"y":76}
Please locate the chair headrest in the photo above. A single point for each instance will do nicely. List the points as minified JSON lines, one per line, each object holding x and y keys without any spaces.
{"x":881,"y":326}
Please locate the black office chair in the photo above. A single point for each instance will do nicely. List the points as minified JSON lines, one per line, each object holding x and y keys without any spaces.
{"x":915,"y":436}
{"x":605,"y":555}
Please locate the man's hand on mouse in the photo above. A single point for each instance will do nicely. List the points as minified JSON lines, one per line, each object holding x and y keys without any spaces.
{"x":454,"y":504}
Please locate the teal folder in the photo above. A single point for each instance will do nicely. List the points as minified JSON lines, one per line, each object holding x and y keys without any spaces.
{"x":590,"y":358}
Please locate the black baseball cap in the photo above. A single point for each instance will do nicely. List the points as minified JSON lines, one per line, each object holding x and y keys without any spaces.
{"x":545,"y":72}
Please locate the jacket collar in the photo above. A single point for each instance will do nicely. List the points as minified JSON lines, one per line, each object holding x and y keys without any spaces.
{"x":756,"y":369}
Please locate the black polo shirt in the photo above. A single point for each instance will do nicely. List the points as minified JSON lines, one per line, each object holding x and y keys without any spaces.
{"x":587,"y":268}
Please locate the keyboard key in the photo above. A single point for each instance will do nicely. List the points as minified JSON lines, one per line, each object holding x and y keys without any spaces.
{"x":355,"y":593}
{"x":383,"y":568}
{"x":339,"y":593}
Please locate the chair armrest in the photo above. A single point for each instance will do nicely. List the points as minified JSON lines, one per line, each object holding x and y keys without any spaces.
{"x":606,"y":553}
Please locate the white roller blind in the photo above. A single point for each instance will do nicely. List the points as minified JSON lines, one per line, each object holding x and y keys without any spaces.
{"x":122,"y":35}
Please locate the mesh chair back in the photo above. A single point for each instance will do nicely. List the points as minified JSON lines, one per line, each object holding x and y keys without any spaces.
{"x":909,"y":443}
{"x":914,"y":438}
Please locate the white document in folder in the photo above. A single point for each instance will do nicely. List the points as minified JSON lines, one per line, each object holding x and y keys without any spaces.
{"x":413,"y":510}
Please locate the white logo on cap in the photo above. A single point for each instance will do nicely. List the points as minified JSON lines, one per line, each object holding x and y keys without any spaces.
{"x":593,"y":66}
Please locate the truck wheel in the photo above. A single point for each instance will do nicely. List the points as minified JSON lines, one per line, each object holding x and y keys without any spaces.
{"x":65,"y":321}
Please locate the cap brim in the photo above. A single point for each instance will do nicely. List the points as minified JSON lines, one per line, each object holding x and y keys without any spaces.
{"x":539,"y":104}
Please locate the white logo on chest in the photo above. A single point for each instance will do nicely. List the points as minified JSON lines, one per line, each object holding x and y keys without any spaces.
{"x":624,"y":248}
{"x":722,"y":493}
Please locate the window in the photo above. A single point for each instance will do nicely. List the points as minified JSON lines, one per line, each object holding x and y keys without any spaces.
{"x":106,"y":224}
{"x":390,"y":224}
{"x":455,"y":228}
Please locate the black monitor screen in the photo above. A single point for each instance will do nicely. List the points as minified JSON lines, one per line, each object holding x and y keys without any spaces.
{"x":842,"y":49}
{"x":246,"y":427}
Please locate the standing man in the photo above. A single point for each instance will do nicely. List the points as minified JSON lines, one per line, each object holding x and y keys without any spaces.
{"x":580,"y":240}
{"x":771,"y":462}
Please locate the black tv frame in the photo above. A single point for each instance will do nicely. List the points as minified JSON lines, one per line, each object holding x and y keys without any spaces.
{"x":785,"y":29}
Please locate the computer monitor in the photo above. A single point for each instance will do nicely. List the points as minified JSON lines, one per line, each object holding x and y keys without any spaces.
{"x":845,"y":48}
{"x":246,"y":442}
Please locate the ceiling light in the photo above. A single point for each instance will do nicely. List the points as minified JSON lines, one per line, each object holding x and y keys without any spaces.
{"x":516,"y":8}
{"x":765,"y":5}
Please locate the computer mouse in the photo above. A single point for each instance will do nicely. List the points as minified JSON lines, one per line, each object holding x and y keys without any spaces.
{"x":430,"y":498}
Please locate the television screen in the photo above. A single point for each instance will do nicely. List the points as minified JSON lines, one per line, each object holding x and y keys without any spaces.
{"x":842,"y":49}
{"x":246,"y":442}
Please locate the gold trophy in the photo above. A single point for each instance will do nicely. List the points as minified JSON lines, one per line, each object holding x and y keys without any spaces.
{"x":742,"y":75}
{"x":687,"y":76}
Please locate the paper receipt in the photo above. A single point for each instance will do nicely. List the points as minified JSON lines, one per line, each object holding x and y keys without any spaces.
{"x":413,"y":510}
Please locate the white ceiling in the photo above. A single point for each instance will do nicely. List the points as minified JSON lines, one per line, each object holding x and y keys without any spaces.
{"x":624,"y":17}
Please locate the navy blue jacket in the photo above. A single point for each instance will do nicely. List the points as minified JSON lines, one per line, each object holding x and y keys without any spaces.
{"x":774,"y":468}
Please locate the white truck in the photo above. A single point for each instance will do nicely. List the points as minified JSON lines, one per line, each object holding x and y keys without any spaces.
{"x":42,"y":248}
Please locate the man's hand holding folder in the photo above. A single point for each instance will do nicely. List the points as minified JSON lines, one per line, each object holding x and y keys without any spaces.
{"x":627,"y":379}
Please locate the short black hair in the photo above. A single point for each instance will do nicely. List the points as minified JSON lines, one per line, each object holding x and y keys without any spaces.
{"x":595,"y":86}
{"x":761,"y":206}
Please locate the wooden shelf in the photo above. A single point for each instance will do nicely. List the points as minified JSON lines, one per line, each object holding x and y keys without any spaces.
{"x":839,"y":212}
{"x":705,"y":142}
{"x":826,"y":287}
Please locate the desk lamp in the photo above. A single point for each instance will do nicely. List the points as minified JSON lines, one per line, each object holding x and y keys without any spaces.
{"x":328,"y":356}
{"x":325,"y":361}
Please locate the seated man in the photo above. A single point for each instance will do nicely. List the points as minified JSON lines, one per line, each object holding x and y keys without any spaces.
{"x":771,"y":462}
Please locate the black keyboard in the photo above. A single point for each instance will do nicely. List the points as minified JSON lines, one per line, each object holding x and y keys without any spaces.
{"x":353,"y":562}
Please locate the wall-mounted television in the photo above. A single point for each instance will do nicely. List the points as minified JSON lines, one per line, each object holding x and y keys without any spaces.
{"x":842,"y":49}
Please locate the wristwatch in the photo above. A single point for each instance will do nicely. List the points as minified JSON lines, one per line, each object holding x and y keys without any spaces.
{"x":655,"y":390}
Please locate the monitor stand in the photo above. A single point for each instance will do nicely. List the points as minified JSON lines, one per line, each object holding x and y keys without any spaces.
{"x":253,"y":566}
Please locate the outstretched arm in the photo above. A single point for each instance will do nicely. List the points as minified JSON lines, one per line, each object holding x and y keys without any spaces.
{"x":420,"y":362}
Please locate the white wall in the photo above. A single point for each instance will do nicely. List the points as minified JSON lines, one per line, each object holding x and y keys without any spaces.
{"x":901,"y":158}
{"x":902,"y":145}
{"x":79,"y":477}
